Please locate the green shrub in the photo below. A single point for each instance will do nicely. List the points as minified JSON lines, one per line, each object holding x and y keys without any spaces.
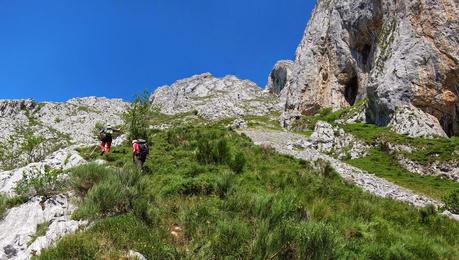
{"x":230,"y":239}
{"x":108,"y":197}
{"x":38,"y":183}
{"x":71,"y":247}
{"x":452,"y":202}
{"x":136,"y":117}
{"x":426,"y":212}
{"x":238,"y":163}
{"x":84,"y":177}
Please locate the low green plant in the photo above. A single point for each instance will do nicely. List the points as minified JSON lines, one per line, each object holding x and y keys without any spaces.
{"x":40,"y":231}
{"x":451,"y":201}
{"x":46,"y":183}
{"x":427,"y":212}
{"x":7,"y":203}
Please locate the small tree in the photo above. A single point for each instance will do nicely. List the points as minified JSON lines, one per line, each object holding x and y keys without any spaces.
{"x":136,"y":118}
{"x":30,"y":144}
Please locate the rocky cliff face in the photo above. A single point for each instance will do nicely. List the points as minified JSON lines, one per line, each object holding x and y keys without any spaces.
{"x":401,"y":54}
{"x":213,"y":98}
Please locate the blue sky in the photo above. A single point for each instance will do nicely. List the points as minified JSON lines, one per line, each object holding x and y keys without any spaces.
{"x":58,"y":49}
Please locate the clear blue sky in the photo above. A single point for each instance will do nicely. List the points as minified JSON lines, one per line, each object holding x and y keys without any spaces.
{"x":58,"y":49}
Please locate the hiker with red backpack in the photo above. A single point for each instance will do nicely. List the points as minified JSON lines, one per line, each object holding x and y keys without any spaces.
{"x":106,"y":138}
{"x":140,"y":152}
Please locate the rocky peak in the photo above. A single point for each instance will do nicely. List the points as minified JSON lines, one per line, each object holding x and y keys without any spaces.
{"x":213,"y":98}
{"x":397,"y":53}
{"x":10,"y":108}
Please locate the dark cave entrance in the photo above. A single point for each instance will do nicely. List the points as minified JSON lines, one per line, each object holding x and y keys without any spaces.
{"x":351,"y":90}
{"x":366,"y":50}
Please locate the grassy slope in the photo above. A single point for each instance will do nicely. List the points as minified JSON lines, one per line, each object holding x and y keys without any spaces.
{"x":277,"y":207}
{"x":383,"y":164}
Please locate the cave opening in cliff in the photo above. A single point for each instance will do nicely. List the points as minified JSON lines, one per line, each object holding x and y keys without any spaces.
{"x":447,"y":125}
{"x":351,"y":90}
{"x":366,"y":54}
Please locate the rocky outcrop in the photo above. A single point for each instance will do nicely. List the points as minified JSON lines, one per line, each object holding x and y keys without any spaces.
{"x":29,"y":131}
{"x":78,"y":117}
{"x":336,"y":142}
{"x":61,"y":160}
{"x":414,"y":122}
{"x":20,"y":225}
{"x":398,"y":53}
{"x":280,"y":79}
{"x":447,"y":170}
{"x":213,"y":98}
{"x":14,"y":113}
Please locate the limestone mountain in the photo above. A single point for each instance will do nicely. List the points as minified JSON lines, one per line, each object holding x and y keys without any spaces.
{"x":402,"y":55}
{"x":213,"y":98}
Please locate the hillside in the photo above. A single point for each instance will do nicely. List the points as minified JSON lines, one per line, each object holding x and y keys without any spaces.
{"x":344,"y":154}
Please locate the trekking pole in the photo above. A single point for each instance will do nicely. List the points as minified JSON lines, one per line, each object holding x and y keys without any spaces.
{"x":93,"y":150}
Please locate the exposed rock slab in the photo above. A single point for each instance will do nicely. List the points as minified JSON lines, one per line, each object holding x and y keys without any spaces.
{"x":213,"y":98}
{"x":62,"y":160}
{"x":20,"y":224}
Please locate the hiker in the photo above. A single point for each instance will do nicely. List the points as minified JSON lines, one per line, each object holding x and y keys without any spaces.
{"x":140,"y":151}
{"x":106,"y":138}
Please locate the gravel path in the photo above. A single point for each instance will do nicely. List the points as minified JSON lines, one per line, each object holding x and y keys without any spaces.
{"x":284,"y":142}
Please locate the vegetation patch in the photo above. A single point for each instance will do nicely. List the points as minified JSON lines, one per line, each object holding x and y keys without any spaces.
{"x":41,"y":231}
{"x":274,"y":207}
{"x":386,"y":166}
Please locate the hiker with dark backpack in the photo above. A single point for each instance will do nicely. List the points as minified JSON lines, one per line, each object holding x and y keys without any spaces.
{"x":106,"y":138}
{"x":140,"y":152}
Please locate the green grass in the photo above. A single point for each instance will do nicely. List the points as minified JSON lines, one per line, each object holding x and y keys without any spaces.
{"x":426,"y":150}
{"x":41,"y":231}
{"x":385,"y":166}
{"x":7,"y":203}
{"x":308,"y":122}
{"x":265,"y":122}
{"x":275,"y":207}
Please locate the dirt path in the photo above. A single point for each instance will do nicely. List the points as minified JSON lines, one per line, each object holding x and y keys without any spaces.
{"x":283,"y":142}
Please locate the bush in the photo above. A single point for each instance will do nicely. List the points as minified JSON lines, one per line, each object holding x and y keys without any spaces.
{"x":83,"y":178}
{"x":210,"y":150}
{"x":238,"y":163}
{"x":72,"y":247}
{"x":426,"y":212}
{"x":40,"y":184}
{"x":108,"y":197}
{"x":452,"y":202}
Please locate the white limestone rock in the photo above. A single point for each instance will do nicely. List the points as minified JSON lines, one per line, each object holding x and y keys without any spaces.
{"x":335,"y":141}
{"x":61,"y":160}
{"x":413,"y":122}
{"x":213,"y":98}
{"x":398,"y":53}
{"x":20,"y":224}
